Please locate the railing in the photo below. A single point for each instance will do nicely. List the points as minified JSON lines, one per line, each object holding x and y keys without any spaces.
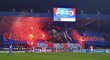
{"x":23,"y":50}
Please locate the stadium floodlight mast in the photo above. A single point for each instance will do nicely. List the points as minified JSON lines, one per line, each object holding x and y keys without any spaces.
{"x":98,"y":12}
{"x":82,"y":12}
{"x":14,"y":10}
{"x":48,"y":11}
{"x":31,"y":10}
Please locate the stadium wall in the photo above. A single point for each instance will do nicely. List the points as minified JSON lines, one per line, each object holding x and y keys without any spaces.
{"x":50,"y":15}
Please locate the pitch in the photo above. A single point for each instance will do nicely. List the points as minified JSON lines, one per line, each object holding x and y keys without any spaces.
{"x":55,"y":56}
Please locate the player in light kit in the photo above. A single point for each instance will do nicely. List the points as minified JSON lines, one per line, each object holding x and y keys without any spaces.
{"x":10,"y":50}
{"x":91,"y":48}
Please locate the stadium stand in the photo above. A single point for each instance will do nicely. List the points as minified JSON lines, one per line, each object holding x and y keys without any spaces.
{"x":60,"y":36}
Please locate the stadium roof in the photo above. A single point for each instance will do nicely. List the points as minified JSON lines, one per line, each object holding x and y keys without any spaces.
{"x":88,"y":6}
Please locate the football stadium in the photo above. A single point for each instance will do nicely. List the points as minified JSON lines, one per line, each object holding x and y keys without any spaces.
{"x":55,"y":30}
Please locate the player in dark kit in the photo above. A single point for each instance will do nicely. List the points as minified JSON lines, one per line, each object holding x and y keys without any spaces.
{"x":10,"y":50}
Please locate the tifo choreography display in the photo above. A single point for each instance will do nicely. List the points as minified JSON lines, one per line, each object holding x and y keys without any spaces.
{"x":54,"y":30}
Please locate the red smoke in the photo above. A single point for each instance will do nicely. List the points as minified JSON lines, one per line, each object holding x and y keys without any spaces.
{"x":78,"y":37}
{"x":29,"y":28}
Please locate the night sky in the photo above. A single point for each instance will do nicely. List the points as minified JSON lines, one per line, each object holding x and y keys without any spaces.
{"x":89,"y":6}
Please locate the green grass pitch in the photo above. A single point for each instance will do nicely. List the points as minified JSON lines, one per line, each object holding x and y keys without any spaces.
{"x":55,"y":56}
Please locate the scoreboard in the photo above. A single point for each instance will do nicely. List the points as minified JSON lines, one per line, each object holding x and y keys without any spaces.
{"x":64,"y":14}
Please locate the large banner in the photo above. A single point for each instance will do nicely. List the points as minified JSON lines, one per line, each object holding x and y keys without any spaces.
{"x":64,"y":14}
{"x":59,"y":45}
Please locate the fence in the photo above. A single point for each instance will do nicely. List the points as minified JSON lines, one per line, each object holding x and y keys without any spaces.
{"x":70,"y":50}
